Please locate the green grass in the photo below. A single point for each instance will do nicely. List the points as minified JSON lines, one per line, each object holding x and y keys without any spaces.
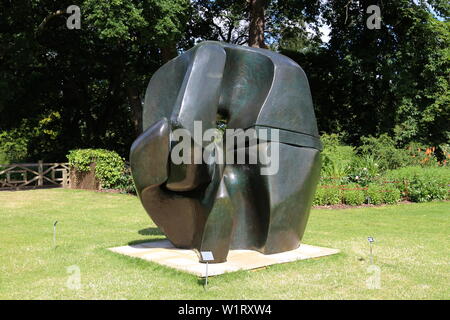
{"x":411,"y":249}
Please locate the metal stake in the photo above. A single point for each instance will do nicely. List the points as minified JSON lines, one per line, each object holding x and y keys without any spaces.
{"x":54,"y":234}
{"x":206,"y":279}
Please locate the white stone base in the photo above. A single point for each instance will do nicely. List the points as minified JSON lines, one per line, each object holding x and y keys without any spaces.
{"x":164,"y":253}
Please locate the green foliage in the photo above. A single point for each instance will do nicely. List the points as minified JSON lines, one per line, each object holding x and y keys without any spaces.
{"x":319,"y":196}
{"x":14,"y":145}
{"x":375,"y":194}
{"x":372,"y":168}
{"x":445,"y":155}
{"x":420,"y":184}
{"x":391,"y":195}
{"x":336,"y":157}
{"x":85,"y":87}
{"x":364,"y":170}
{"x":109,"y":166}
{"x":125,"y":183}
{"x":87,"y":83}
{"x":121,"y":20}
{"x":327,"y":195}
{"x":353,"y":195}
{"x":114,"y":19}
{"x":424,"y":189}
{"x":394,"y":80}
{"x":384,"y":152}
{"x":420,"y":155}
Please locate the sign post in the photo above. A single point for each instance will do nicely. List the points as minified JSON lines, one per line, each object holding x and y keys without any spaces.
{"x":207,"y":256}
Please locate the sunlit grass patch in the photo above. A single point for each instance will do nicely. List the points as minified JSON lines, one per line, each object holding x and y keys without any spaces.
{"x":411,"y":250}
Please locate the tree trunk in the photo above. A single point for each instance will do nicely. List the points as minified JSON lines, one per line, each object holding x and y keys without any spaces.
{"x":136,"y":109}
{"x":257,"y":23}
{"x":168,"y":52}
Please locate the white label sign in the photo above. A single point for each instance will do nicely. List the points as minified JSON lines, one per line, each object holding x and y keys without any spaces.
{"x":207,"y":256}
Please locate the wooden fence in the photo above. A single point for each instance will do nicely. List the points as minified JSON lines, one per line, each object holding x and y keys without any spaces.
{"x":34,"y":175}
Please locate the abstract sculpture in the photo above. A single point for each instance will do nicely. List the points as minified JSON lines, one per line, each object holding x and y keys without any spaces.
{"x":219,"y":206}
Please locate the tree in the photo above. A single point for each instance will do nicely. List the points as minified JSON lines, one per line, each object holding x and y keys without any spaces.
{"x":394,"y":80}
{"x":84,"y":88}
{"x":94,"y":78}
{"x":219,"y":20}
{"x":257,"y":23}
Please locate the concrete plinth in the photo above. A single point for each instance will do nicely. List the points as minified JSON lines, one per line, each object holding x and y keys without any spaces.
{"x":164,"y":253}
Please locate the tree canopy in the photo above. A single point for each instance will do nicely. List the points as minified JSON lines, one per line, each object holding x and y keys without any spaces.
{"x":62,"y":89}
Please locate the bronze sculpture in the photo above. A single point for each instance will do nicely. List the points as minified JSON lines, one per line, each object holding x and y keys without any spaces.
{"x":217,"y":207}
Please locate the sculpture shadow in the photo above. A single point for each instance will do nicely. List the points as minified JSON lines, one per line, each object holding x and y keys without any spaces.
{"x":150,"y":232}
{"x":135,"y":242}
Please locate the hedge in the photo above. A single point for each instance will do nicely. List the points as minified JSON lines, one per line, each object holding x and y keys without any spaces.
{"x":109,"y":166}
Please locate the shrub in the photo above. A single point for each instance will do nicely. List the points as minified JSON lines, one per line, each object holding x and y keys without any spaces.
{"x":421,"y":155}
{"x":331,"y":141}
{"x":319,"y":197}
{"x":374,"y":194}
{"x":353,"y":195}
{"x":13,"y":146}
{"x":336,"y":158}
{"x":364,"y":170}
{"x":125,"y":184}
{"x":327,"y":195}
{"x":445,"y":155}
{"x":332,"y":196}
{"x":109,"y":166}
{"x":391,"y":194}
{"x":421,"y":184}
{"x":423,"y":190}
{"x":384,"y":151}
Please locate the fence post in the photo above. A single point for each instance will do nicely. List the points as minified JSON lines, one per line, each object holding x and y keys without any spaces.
{"x":65,"y":178}
{"x":41,"y":173}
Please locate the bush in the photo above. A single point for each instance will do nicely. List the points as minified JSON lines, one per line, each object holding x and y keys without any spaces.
{"x":421,"y":155}
{"x":125,"y":183}
{"x":423,"y":190}
{"x":391,"y":195}
{"x":319,"y":198}
{"x":364,"y":170}
{"x":109,"y":166}
{"x":336,"y":158}
{"x":327,"y":195}
{"x":374,"y":194}
{"x":421,"y":184}
{"x":445,"y":155}
{"x":384,"y":151}
{"x":353,"y":195}
{"x":13,"y":146}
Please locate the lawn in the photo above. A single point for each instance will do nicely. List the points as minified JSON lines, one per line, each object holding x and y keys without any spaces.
{"x":411,"y":250}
